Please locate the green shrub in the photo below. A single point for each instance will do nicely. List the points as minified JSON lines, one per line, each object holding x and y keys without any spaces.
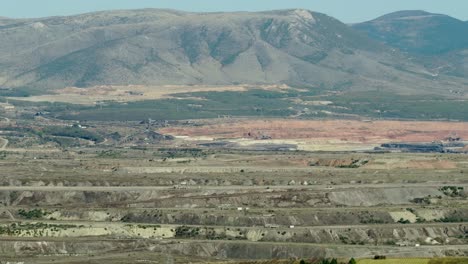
{"x":35,"y":213}
{"x":73,"y":132}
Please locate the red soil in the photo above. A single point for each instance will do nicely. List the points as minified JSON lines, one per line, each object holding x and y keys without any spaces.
{"x":344,"y":130}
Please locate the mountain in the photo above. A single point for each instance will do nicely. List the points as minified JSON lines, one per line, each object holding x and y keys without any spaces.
{"x":439,"y":42}
{"x":154,"y":47}
{"x":418,"y":32}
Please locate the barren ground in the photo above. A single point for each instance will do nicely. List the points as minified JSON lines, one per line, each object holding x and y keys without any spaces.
{"x":340,"y":131}
{"x":179,"y":201}
{"x":92,"y":95}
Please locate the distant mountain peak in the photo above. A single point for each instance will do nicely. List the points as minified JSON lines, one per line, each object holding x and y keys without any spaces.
{"x":418,"y":31}
{"x":407,"y":14}
{"x":304,"y":14}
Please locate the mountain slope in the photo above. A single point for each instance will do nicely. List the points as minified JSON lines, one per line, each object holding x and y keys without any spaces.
{"x":153,"y":47}
{"x":437,"y":41}
{"x":418,"y":31}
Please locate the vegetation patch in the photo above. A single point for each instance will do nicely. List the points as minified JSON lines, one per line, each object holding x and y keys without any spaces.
{"x":453,"y":191}
{"x":32,"y":214}
{"x":73,"y":132}
{"x":186,"y":232}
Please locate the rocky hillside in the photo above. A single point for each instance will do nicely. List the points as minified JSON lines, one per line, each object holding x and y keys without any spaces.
{"x":151,"y":47}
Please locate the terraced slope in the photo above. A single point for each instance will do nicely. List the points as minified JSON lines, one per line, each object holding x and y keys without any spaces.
{"x":106,"y":210}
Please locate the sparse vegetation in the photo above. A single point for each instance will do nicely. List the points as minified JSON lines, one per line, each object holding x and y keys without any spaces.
{"x":32,"y":214}
{"x":422,"y":200}
{"x":186,"y":232}
{"x":72,"y":132}
{"x":404,"y":221}
{"x":453,"y":191}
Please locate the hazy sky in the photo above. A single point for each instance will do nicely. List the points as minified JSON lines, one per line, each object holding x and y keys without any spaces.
{"x":345,"y":10}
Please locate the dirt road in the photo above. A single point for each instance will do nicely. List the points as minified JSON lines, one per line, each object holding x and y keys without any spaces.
{"x":4,"y":143}
{"x":220,"y":188}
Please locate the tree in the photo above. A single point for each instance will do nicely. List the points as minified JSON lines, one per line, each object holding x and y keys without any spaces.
{"x":302,"y":262}
{"x":352,"y":261}
{"x":334,"y":261}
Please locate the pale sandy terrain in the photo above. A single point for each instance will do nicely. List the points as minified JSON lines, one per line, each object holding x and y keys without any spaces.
{"x":92,"y":95}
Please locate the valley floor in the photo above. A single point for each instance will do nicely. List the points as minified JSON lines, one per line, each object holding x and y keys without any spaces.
{"x":186,"y":201}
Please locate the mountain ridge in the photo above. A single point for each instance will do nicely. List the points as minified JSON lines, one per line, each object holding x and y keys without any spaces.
{"x":101,"y":19}
{"x":159,"y":46}
{"x":407,"y":13}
